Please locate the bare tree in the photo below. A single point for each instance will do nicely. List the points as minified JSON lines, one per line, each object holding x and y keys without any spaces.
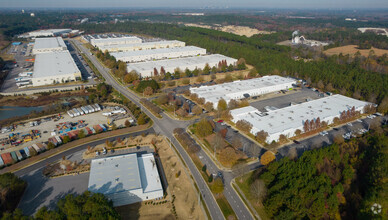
{"x":239,"y":169}
{"x":292,"y":153}
{"x":258,"y":190}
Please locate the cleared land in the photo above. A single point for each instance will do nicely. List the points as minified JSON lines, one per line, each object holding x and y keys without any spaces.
{"x":352,"y":49}
{"x":238,"y":30}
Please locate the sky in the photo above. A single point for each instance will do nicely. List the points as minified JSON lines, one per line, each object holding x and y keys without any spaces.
{"x":302,"y":4}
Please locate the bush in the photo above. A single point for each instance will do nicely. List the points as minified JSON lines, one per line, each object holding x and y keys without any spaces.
{"x":147,"y":83}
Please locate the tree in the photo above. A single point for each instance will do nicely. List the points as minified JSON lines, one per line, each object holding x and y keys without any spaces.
{"x":282,"y":138}
{"x":228,"y":78}
{"x":209,"y":106}
{"x":239,"y":169}
{"x":148,"y":91}
{"x":338,"y":139}
{"x":50,"y":145}
{"x":85,"y":206}
{"x":244,"y":126}
{"x":130,"y":77}
{"x":258,"y":190}
{"x":292,"y":153}
{"x":206,"y":69}
{"x":267,"y":158}
{"x":12,"y":189}
{"x":243,"y":103}
{"x":66,"y":139}
{"x":320,"y":85}
{"x":141,"y":120}
{"x":197,"y":110}
{"x":261,"y":136}
{"x":298,"y":132}
{"x":81,"y":134}
{"x":127,"y":123}
{"x":203,"y":128}
{"x":383,"y":107}
{"x":222,"y":105}
{"x":162,"y":99}
{"x":232,"y":104}
{"x":241,"y":64}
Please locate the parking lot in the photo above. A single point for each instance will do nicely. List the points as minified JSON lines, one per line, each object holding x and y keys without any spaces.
{"x":280,"y":100}
{"x":319,"y":140}
{"x":86,"y":71}
{"x":46,"y":127}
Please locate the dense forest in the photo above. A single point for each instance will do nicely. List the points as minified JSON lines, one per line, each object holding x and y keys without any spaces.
{"x":12,"y":189}
{"x":343,"y":180}
{"x":268,"y":58}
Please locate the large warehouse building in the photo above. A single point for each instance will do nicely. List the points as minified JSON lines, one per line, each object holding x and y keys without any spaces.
{"x":115,"y":41}
{"x":287,"y":120}
{"x":48,"y":44}
{"x":242,"y":89}
{"x":142,"y":46}
{"x":146,"y":69}
{"x":158,"y":54}
{"x":126,"y":179}
{"x":46,"y":33}
{"x":57,"y":66}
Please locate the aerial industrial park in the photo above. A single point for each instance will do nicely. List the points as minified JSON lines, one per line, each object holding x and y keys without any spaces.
{"x":126,"y":117}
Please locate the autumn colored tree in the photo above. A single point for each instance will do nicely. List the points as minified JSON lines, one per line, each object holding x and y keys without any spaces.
{"x":148,"y":91}
{"x":244,"y":126}
{"x":267,"y":158}
{"x":222,"y":105}
{"x":261,"y":136}
{"x":203,"y":128}
{"x":197,"y":110}
{"x":209,"y":106}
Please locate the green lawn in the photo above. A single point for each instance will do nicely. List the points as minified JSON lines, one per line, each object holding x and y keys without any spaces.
{"x":225,"y":206}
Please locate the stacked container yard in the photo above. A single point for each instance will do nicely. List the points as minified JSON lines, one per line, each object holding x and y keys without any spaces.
{"x":58,"y":139}
{"x":23,"y":153}
{"x":36,"y":148}
{"x":97,"y":128}
{"x":90,"y":132}
{"x":42,"y":146}
{"x":19,"y":155}
{"x":1,"y":162}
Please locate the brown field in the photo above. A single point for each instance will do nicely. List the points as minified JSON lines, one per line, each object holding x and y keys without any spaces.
{"x":352,"y":49}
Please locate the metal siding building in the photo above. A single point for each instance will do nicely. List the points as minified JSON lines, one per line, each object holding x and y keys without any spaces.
{"x":126,"y":179}
{"x":48,"y":44}
{"x":54,"y":66}
{"x":142,"y":46}
{"x":158,"y":54}
{"x":237,"y":89}
{"x":114,"y":41}
{"x":47,"y":33}
{"x":287,"y":120}
{"x":146,"y":69}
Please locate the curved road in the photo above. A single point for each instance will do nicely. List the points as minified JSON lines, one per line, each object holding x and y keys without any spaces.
{"x":165,"y":127}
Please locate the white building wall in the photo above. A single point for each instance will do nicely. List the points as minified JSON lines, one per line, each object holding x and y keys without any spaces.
{"x":58,"y":78}
{"x":143,"y":46}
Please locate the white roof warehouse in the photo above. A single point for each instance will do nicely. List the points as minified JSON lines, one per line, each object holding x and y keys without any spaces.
{"x":158,"y":54}
{"x":142,"y":46}
{"x":126,"y":179}
{"x":114,"y":41}
{"x":56,"y":66}
{"x":240,"y":89}
{"x":48,"y":44}
{"x":287,"y":120}
{"x":146,"y":69}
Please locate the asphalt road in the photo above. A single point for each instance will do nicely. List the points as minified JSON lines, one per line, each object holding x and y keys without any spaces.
{"x":165,"y":127}
{"x":42,"y":191}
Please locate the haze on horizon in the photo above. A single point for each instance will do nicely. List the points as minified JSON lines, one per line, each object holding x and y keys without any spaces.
{"x":299,"y":4}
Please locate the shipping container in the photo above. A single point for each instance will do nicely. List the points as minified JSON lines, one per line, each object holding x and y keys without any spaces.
{"x":76,"y":112}
{"x":14,"y":157}
{"x":23,"y":153}
{"x":93,"y":130}
{"x":27,"y":151}
{"x":19,"y":155}
{"x":1,"y":162}
{"x":97,"y":107}
{"x":90,"y":132}
{"x":81,"y":111}
{"x":90,"y":108}
{"x":103,"y":127}
{"x":58,"y":139}
{"x":97,"y":128}
{"x":85,"y":110}
{"x":7,"y":158}
{"x":70,"y":113}
{"x":37,"y":149}
{"x":42,"y":146}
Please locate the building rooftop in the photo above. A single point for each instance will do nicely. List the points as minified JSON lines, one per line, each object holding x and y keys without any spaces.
{"x":199,"y":61}
{"x":119,"y":55}
{"x":145,"y":44}
{"x":49,"y":42}
{"x":149,"y":174}
{"x":54,"y":63}
{"x":114,"y":174}
{"x":123,"y":173}
{"x":226,"y":90}
{"x":116,"y":40}
{"x":48,"y":31}
{"x":294,"y":116}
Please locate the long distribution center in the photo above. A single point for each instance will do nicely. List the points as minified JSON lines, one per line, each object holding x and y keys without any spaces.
{"x":114,"y":41}
{"x":289,"y":119}
{"x":158,"y":54}
{"x":142,"y":46}
{"x":147,"y":69}
{"x":242,"y":89}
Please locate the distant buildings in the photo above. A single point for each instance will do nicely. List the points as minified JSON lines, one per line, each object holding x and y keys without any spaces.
{"x":286,"y":121}
{"x":141,"y":46}
{"x":46,"y":33}
{"x":101,"y":42}
{"x":126,"y":179}
{"x":242,"y":89}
